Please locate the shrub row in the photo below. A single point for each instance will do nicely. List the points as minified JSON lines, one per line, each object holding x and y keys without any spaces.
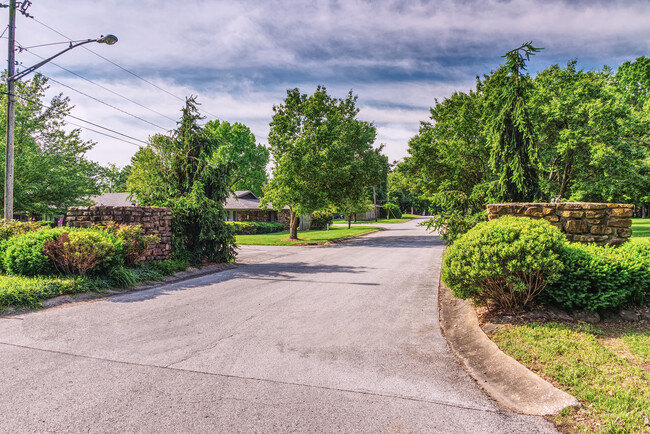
{"x":512,"y":263}
{"x":252,"y":228}
{"x":320,"y":219}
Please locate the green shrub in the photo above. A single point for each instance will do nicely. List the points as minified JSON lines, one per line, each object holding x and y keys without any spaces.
{"x":391,"y":211}
{"x":452,"y":224}
{"x":121,"y":277}
{"x":320,"y":219}
{"x":24,"y":253}
{"x":252,"y":228}
{"x":504,"y":263}
{"x":81,"y":250}
{"x":165,"y":267}
{"x":134,"y":241}
{"x":31,"y":291}
{"x":13,"y":228}
{"x":602,"y":277}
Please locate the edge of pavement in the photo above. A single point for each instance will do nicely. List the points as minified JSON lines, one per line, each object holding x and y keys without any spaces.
{"x":512,"y":385}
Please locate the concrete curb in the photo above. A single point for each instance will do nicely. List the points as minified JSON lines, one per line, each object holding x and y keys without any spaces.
{"x":512,"y":385}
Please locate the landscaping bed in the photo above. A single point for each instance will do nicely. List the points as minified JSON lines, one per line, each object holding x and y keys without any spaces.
{"x":305,"y":237}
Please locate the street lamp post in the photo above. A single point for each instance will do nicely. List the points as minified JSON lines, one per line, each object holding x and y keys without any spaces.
{"x":12,"y":77}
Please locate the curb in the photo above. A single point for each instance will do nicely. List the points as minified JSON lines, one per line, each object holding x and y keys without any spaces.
{"x":512,"y":385}
{"x":82,"y":297}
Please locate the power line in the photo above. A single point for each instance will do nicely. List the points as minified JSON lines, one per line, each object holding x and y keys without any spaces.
{"x":103,"y":87}
{"x":84,"y":120}
{"x":120,"y":66}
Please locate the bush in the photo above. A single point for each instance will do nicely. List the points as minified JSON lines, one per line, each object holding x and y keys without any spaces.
{"x":13,"y":228}
{"x":165,"y":267}
{"x":134,"y":241}
{"x":391,"y":211}
{"x":452,"y":224}
{"x":504,"y":263}
{"x":602,"y":277}
{"x":31,"y":291}
{"x":82,"y":250}
{"x":252,"y":228}
{"x":121,"y":277}
{"x":24,"y":253}
{"x":320,"y":219}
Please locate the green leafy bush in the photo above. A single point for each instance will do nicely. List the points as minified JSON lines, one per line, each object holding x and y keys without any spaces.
{"x":602,"y":277}
{"x":504,"y":263}
{"x":252,"y":228}
{"x":81,"y":250}
{"x":121,"y":277}
{"x":13,"y":228}
{"x":165,"y":267}
{"x":134,"y":241}
{"x":320,"y":219}
{"x":391,"y":211}
{"x":24,"y":253}
{"x":452,"y":224}
{"x":31,"y":291}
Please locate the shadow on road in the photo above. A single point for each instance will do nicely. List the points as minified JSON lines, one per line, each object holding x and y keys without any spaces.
{"x":280,"y":271}
{"x":395,"y":241}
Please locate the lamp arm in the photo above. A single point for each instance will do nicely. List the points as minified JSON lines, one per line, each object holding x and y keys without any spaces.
{"x":21,"y":74}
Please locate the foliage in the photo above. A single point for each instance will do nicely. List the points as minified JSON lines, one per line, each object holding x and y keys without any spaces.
{"x":31,"y":291}
{"x":504,"y":263}
{"x":24,"y":253}
{"x":134,"y":241}
{"x":82,"y":250}
{"x":165,"y":267}
{"x":179,"y":171}
{"x":601,"y":277}
{"x":321,"y":218}
{"x":112,"y":179}
{"x":12,"y":228}
{"x":453,"y":223}
{"x":322,"y":154}
{"x":237,"y":149}
{"x":614,"y":390}
{"x":46,"y":150}
{"x":510,"y":131}
{"x":251,"y":228}
{"x":391,"y":211}
{"x":122,"y":277}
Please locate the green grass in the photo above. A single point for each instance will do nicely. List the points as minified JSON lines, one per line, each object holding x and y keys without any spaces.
{"x":612,"y":385}
{"x":639,"y":344}
{"x":641,"y":228}
{"x":282,"y":238}
{"x":405,"y":218}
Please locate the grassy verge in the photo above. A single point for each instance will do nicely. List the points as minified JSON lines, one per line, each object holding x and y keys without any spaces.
{"x":282,"y":238}
{"x":29,"y":292}
{"x":640,"y":228}
{"x":405,"y":218}
{"x":608,"y":371}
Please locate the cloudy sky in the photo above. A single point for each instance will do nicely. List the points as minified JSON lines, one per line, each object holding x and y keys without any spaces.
{"x":240,"y":57}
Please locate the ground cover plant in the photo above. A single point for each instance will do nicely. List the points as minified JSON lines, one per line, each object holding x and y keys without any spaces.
{"x":640,"y":229}
{"x":608,"y":371}
{"x":304,"y":237}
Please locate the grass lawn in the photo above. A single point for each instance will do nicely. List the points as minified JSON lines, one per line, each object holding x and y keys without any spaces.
{"x":641,"y":228}
{"x":607,"y":370}
{"x":405,"y":218}
{"x":282,"y":238}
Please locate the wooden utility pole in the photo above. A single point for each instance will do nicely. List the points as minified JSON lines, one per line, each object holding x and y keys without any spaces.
{"x":11,"y":114}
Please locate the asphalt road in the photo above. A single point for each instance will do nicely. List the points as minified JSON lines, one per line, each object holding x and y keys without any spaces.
{"x":341,"y":338}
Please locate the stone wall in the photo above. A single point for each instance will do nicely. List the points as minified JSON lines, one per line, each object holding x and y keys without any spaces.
{"x":601,"y":223}
{"x":254,"y":215}
{"x":154,"y":221}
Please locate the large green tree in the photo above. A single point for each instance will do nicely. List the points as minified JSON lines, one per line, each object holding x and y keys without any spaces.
{"x":322,"y":154}
{"x":179,"y":171}
{"x":51,"y":169}
{"x":237,"y":148}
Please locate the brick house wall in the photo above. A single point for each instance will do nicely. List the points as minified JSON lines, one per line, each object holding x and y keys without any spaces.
{"x":582,"y":222}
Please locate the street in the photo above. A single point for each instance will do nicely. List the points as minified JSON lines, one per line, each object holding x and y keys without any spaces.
{"x":334,"y":338}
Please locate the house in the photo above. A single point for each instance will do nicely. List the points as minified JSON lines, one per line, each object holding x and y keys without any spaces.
{"x":244,"y":206}
{"x":113,"y":199}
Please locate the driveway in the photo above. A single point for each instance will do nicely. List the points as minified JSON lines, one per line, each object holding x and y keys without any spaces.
{"x":340,"y":338}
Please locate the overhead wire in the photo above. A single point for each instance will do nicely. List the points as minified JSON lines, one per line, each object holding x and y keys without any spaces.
{"x":85,"y":121}
{"x":120,"y":66}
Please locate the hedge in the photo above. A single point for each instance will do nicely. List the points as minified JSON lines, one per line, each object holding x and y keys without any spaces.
{"x":252,"y":228}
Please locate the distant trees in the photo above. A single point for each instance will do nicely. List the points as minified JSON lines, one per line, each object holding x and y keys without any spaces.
{"x":322,"y":155}
{"x":565,"y":134}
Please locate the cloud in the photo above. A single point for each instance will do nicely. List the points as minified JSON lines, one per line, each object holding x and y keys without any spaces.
{"x":240,"y":57}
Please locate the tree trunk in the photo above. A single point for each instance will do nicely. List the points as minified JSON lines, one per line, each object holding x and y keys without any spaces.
{"x":349,"y":220}
{"x":565,"y":177}
{"x":293,"y":225}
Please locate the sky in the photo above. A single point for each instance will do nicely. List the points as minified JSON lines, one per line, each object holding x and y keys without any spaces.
{"x":240,"y":57}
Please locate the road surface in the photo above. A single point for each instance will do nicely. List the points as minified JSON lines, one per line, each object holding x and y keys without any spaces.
{"x":339,"y":338}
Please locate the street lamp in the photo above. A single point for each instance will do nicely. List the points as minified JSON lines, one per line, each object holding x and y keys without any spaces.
{"x":11,"y":108}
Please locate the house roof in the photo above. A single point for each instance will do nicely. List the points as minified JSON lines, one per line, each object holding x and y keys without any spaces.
{"x":113,"y":199}
{"x":243,"y":200}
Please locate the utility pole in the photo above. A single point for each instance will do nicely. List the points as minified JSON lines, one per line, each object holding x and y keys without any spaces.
{"x":11,"y":115}
{"x":374,"y":201}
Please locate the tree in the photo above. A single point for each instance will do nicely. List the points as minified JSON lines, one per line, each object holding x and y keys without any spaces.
{"x":112,"y":179}
{"x":51,"y":170}
{"x":322,"y":154}
{"x":179,"y":171}
{"x":237,"y":148}
{"x":510,"y":131}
